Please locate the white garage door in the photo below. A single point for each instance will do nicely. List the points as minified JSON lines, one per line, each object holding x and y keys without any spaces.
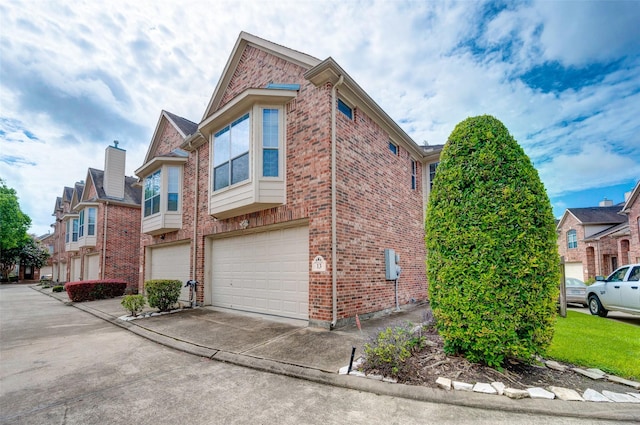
{"x":265,"y":272}
{"x":91,"y":263}
{"x":171,"y":262}
{"x":76,"y":264}
{"x":574,"y":270}
{"x":62,"y":273}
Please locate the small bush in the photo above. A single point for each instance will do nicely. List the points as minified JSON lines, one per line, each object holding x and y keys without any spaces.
{"x":58,"y":288}
{"x":88,"y":290}
{"x":133,"y":304}
{"x":390,"y":349}
{"x":162,"y":293}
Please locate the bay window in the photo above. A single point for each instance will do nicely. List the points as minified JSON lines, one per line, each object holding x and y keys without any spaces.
{"x":247,"y":152}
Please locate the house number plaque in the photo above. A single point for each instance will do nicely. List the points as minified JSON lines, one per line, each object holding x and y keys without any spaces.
{"x":319,"y":264}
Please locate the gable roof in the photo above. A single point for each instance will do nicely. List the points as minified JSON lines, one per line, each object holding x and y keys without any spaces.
{"x":244,"y":40}
{"x":633,"y":197}
{"x":58,"y":205}
{"x":598,"y":215}
{"x":183,"y":126}
{"x":95,"y":178}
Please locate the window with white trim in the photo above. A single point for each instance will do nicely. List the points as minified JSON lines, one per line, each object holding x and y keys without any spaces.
{"x":173,"y":188}
{"x":270,"y":142}
{"x":152,"y":194}
{"x":414,"y":174}
{"x":572,"y":239}
{"x":432,"y":173}
{"x":345,"y":109}
{"x":72,"y":231}
{"x":231,"y":154}
{"x":87,"y":221}
{"x":394,"y":148}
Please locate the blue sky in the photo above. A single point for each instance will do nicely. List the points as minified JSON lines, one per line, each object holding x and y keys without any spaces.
{"x":564,"y":77}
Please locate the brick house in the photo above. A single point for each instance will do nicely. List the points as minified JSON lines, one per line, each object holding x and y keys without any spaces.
{"x":97,"y":229}
{"x":597,"y":240}
{"x":631,"y":209}
{"x":283,"y":199}
{"x":64,"y":217}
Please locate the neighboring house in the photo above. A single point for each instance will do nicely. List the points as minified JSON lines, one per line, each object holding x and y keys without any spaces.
{"x":97,"y":229}
{"x":631,"y":209}
{"x":48,"y":241}
{"x":597,"y":240}
{"x":63,"y":219}
{"x":283,"y":199}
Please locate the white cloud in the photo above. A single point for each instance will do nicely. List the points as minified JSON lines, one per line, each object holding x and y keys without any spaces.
{"x":85,"y":75}
{"x":593,"y":166}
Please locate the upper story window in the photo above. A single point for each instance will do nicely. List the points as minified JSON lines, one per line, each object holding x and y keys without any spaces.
{"x":87,"y":222}
{"x":345,"y":109}
{"x":231,"y":154}
{"x":572,"y":239}
{"x":72,"y":231}
{"x":414,"y":174}
{"x":153,"y":192}
{"x":394,"y":148}
{"x":270,"y":142}
{"x":432,"y":173}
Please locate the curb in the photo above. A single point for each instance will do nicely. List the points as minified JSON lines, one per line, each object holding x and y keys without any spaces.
{"x":583,"y":410}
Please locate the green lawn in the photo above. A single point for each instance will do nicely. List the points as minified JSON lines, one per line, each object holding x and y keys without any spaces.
{"x":595,"y":342}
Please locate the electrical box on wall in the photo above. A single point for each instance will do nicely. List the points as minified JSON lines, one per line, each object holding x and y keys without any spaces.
{"x":391,"y":264}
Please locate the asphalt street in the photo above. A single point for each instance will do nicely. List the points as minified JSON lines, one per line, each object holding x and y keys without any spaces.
{"x":60,"y":365}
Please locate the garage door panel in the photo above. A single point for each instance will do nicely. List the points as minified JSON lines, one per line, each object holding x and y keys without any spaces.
{"x":263,"y":272}
{"x":574,"y":270}
{"x":172,"y":262}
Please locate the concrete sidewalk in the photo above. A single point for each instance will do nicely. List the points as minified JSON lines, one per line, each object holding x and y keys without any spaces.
{"x":292,"y":348}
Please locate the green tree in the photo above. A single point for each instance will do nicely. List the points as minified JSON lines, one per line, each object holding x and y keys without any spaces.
{"x":492,"y":259}
{"x":13,"y":229}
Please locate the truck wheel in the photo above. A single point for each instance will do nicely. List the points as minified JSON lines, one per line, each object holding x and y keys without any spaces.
{"x":595,"y":307}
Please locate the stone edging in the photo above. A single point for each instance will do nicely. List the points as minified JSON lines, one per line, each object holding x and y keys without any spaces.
{"x":551,"y":393}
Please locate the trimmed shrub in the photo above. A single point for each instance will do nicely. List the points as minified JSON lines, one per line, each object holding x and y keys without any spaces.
{"x":88,"y":290}
{"x":58,"y":288}
{"x":162,"y":293}
{"x":133,"y":304}
{"x":387,"y":353}
{"x":492,"y":259}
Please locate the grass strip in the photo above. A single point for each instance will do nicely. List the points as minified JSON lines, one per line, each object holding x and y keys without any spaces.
{"x":595,"y":342}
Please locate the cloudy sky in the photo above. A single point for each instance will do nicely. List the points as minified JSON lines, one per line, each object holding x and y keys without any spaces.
{"x":563,"y":76}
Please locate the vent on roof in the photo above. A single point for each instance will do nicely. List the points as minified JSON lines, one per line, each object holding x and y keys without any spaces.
{"x":606,"y":203}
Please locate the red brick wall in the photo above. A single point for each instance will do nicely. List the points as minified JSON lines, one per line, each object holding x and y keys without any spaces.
{"x":634,"y":229}
{"x":377,"y":208}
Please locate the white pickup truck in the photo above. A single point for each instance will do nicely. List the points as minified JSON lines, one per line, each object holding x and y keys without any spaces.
{"x":620,"y":291}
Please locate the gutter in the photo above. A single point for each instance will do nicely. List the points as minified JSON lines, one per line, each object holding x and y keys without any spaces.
{"x":104,"y":240}
{"x":334,"y":214}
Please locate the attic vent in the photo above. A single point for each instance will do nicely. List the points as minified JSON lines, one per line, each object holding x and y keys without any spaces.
{"x":277,"y":86}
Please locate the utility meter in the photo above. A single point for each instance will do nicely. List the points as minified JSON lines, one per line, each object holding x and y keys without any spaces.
{"x":391,"y":264}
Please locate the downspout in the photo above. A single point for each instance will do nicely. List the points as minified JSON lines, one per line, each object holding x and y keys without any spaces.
{"x":195,"y":227}
{"x":104,"y":240}
{"x":334,"y":214}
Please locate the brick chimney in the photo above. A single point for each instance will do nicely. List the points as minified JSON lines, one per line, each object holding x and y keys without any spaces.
{"x":114,"y":161}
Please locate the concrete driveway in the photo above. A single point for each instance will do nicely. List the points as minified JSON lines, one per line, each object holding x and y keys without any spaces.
{"x":61,"y":365}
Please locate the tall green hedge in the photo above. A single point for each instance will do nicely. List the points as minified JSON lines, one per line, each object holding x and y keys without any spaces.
{"x":492,"y":260}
